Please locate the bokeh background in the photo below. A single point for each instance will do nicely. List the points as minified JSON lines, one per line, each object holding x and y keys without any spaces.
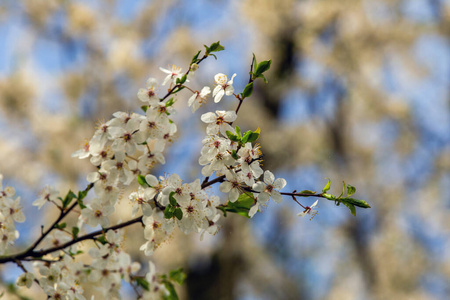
{"x":359,"y":90}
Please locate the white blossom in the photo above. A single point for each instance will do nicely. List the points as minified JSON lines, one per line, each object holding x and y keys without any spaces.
{"x":222,"y":86}
{"x":219,"y":121}
{"x":269,"y":188}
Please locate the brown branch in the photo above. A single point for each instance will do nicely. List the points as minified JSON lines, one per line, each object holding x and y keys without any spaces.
{"x":28,"y":254}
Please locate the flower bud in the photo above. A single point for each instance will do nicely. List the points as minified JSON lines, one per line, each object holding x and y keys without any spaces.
{"x":194,"y":67}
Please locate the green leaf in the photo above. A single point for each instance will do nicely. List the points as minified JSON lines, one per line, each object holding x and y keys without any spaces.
{"x":195,"y":58}
{"x":307,"y":192}
{"x":170,"y":102}
{"x":255,"y":63}
{"x":351,"y":207}
{"x":234,"y":155}
{"x":75,"y":231}
{"x":178,"y":276}
{"x":168,"y":211}
{"x":142,"y":282}
{"x":238,"y":131}
{"x":254,"y":136}
{"x":141,"y":180}
{"x":232,"y":137}
{"x":248,"y":90}
{"x":178,"y":89}
{"x":182,"y":79}
{"x":60,"y":226}
{"x":327,"y":186}
{"x":329,"y":196}
{"x":178,"y":213}
{"x":102,"y":239}
{"x":82,"y":195}
{"x":172,"y":199}
{"x":80,"y":203}
{"x":242,"y":205}
{"x":343,"y":190}
{"x":350,"y":190}
{"x":246,"y":136}
{"x":263,"y":77}
{"x":69,"y":197}
{"x":356,"y":202}
{"x":144,"y":108}
{"x":172,"y":292}
{"x":262,"y":67}
{"x":215,"y":47}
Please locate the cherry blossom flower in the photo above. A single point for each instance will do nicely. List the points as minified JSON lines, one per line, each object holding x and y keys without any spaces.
{"x":222,"y":86}
{"x":269,"y":188}
{"x":309,"y":211}
{"x":148,"y":95}
{"x":231,"y":186}
{"x":174,"y":74}
{"x":175,"y":185}
{"x":138,"y":200}
{"x":46,"y":195}
{"x":83,"y":152}
{"x":26,"y":279}
{"x":96,"y":213}
{"x":253,"y":210}
{"x":219,"y":121}
{"x":199,"y":98}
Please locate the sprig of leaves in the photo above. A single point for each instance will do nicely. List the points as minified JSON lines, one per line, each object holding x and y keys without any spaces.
{"x":241,"y":206}
{"x":344,"y":198}
{"x":260,"y":68}
{"x":248,"y":137}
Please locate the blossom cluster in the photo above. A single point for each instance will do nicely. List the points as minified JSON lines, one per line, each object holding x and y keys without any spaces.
{"x":10,"y":212}
{"x":124,"y":150}
{"x":109,"y":265}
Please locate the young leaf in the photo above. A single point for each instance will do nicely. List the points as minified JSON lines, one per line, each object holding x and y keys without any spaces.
{"x":248,"y":90}
{"x":255,"y":63}
{"x":80,"y":203}
{"x":172,"y":199}
{"x":170,"y":102}
{"x":195,"y":58}
{"x":356,"y":202}
{"x":60,"y":226}
{"x":178,"y":89}
{"x":144,"y":108}
{"x":254,"y":136}
{"x":327,"y":186}
{"x":262,"y":67}
{"x":178,"y":213}
{"x":242,"y":205}
{"x":102,"y":239}
{"x":308,"y":192}
{"x":246,"y":136}
{"x":168,"y":211}
{"x":238,"y":131}
{"x":140,"y":281}
{"x":329,"y":196}
{"x":141,"y":180}
{"x":182,"y":79}
{"x":177,"y":275}
{"x":234,"y":155}
{"x":350,"y":190}
{"x":231,"y":136}
{"x":343,"y":190}
{"x":351,"y":207}
{"x":69,"y":197}
{"x":75,"y":231}
{"x":216,"y":47}
{"x":172,"y":292}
